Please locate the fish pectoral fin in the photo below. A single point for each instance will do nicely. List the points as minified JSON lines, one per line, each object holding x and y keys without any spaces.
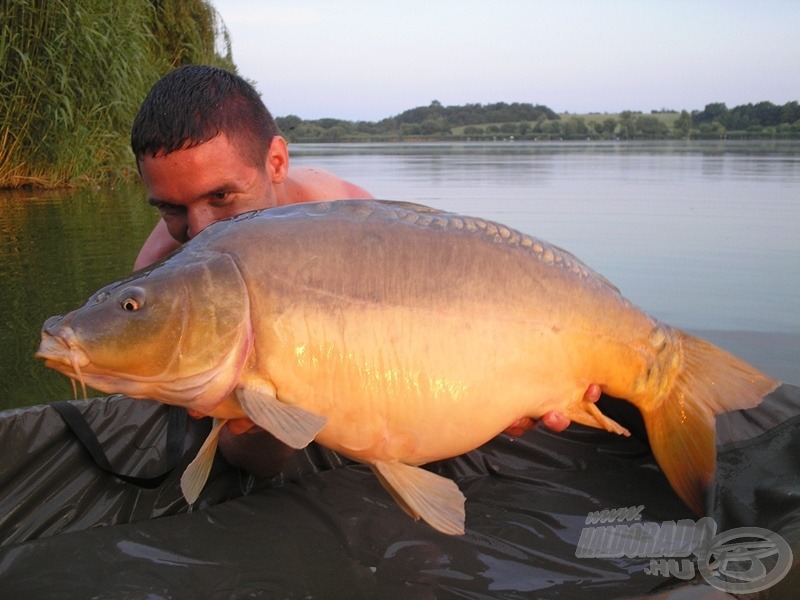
{"x":422,"y":494}
{"x":294,"y":426}
{"x":196,"y":474}
{"x":587,"y":413}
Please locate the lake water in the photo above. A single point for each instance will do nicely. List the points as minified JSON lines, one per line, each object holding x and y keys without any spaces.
{"x":703,"y":235}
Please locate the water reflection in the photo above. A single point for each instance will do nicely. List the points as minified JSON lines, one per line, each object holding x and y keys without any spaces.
{"x":57,"y":248}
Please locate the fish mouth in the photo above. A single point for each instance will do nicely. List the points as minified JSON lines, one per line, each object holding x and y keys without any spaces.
{"x":62,"y":353}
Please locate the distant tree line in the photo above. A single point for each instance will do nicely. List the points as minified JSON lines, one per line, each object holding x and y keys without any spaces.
{"x":434,"y":120}
{"x":750,"y":117}
{"x":522,"y":121}
{"x":473,"y":114}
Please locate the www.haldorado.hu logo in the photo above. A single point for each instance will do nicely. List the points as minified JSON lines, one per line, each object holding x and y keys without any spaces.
{"x":738,"y":561}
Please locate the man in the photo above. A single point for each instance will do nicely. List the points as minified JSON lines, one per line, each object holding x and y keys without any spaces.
{"x":207,"y":149}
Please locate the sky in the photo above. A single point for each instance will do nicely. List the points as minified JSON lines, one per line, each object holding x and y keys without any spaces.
{"x":372,"y":59}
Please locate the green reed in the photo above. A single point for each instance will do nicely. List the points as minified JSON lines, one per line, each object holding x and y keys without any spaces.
{"x":72,"y":75}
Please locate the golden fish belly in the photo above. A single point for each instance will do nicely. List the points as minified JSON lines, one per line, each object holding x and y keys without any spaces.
{"x":404,"y":385}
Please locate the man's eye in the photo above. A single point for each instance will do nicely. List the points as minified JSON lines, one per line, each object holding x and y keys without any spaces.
{"x":219,"y":198}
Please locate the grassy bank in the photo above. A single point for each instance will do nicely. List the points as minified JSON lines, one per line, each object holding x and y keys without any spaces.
{"x":72,"y":75}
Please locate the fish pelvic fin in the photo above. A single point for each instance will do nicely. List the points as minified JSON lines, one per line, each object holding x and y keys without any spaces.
{"x":422,"y":494}
{"x":681,"y":426}
{"x":294,"y":426}
{"x":195,"y":476}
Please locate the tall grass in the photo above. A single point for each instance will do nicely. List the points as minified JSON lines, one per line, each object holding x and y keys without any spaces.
{"x":72,"y":75}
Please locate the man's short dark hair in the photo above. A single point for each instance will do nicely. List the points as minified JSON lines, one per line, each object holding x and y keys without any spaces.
{"x":193,"y":104}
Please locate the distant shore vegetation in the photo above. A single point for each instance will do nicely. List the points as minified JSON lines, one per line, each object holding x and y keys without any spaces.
{"x":73,"y":72}
{"x":519,"y":121}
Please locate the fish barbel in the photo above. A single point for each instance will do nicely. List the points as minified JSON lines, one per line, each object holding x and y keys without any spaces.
{"x":396,"y":335}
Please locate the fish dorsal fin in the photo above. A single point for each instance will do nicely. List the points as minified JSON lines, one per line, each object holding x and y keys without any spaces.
{"x":294,"y":426}
{"x":196,"y":474}
{"x":423,"y":494}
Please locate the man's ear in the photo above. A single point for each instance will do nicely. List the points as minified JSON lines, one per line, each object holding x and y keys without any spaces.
{"x":277,"y":160}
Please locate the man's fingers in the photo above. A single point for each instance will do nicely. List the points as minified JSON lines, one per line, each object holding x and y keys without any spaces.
{"x":518,"y":427}
{"x":555,"y":421}
{"x":592,"y":393}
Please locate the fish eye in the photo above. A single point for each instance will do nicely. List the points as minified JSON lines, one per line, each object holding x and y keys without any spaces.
{"x":131,"y":299}
{"x":130,"y":304}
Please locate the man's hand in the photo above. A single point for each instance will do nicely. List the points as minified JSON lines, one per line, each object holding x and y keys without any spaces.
{"x":236,"y":426}
{"x":553,"y":420}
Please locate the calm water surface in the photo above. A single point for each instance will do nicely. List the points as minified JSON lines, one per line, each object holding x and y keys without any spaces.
{"x":705,"y":236}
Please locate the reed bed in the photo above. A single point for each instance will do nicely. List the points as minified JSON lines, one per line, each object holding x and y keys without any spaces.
{"x":72,"y":75}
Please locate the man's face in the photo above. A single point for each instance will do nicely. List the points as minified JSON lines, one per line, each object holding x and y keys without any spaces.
{"x":195,"y":187}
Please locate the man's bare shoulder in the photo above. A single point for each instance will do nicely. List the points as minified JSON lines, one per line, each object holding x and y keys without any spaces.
{"x":304,"y":184}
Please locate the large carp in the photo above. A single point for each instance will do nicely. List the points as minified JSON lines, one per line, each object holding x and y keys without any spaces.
{"x":396,"y":335}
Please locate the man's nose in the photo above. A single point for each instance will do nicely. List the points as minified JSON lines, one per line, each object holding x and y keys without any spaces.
{"x":198,"y":218}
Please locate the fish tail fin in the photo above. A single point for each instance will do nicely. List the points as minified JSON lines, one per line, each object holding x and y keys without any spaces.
{"x":681,"y":425}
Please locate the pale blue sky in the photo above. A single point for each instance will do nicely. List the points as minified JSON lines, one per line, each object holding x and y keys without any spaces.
{"x":370,"y":59}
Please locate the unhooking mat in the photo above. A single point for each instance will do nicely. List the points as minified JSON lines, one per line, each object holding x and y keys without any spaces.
{"x":577,"y":514}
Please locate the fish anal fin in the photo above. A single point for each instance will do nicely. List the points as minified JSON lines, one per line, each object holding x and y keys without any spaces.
{"x":196,"y":474}
{"x":422,"y":494}
{"x":587,"y":413}
{"x":294,"y":426}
